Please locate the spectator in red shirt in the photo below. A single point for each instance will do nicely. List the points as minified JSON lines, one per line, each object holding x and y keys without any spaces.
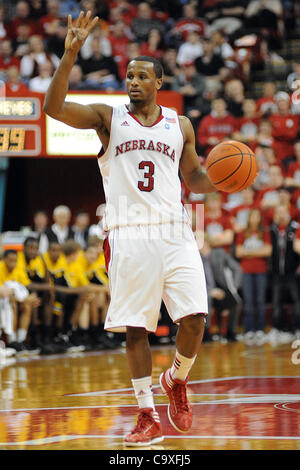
{"x":154,"y":46}
{"x":248,"y":125}
{"x":119,"y":38}
{"x":269,"y":196}
{"x":217,"y":126}
{"x":284,"y":198}
{"x":253,"y":247}
{"x":50,"y":21}
{"x":239,"y":215}
{"x":127,"y":11}
{"x":14,"y":85}
{"x":218,"y":227}
{"x":285,"y":128}
{"x":189,"y":22}
{"x":23,"y":17}
{"x":266,"y":104}
{"x":7,"y":58}
{"x":293,"y":171}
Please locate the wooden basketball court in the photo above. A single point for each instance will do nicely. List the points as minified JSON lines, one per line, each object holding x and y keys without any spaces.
{"x":244,"y":398}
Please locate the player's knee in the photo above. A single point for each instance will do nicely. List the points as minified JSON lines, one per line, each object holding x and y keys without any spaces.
{"x":193,"y":324}
{"x":135,"y":336}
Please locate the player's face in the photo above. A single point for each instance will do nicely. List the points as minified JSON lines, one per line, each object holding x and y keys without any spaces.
{"x":141,"y":81}
{"x":54,"y":252}
{"x":11,"y":261}
{"x":31,"y":250}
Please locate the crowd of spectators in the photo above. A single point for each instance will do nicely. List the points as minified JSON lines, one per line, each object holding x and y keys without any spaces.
{"x":210,"y":51}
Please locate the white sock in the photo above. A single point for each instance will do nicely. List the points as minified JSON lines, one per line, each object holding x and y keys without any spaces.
{"x":12,"y":337}
{"x":143,"y":392}
{"x":21,"y":335}
{"x":181,"y":366}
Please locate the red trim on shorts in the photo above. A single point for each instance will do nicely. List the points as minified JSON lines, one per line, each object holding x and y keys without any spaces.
{"x":107,"y":252}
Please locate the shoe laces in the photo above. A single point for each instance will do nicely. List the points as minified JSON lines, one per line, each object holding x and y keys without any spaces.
{"x":179,"y":391}
{"x":144,"y":419}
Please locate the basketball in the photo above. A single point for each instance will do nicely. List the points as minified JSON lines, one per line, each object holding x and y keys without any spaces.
{"x":231,"y":166}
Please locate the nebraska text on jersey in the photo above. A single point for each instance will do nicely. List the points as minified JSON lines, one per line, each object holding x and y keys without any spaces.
{"x":142,"y":144}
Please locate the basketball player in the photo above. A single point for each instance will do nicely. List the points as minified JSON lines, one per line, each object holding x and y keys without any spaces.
{"x":144,"y":146}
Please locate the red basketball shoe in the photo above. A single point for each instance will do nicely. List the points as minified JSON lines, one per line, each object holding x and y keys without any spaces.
{"x":179,"y":409}
{"x":147,"y":431}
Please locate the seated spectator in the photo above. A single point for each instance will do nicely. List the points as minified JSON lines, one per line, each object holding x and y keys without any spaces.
{"x":60,"y":231}
{"x":190,"y":49}
{"x":191,"y":85}
{"x":218,"y":228}
{"x":127,"y":11}
{"x":77,"y":82}
{"x":227,"y":15}
{"x":101,"y":70}
{"x":30,"y":261}
{"x":41,"y":82}
{"x":38,"y":9}
{"x":284,"y":198}
{"x":37,"y":55}
{"x":7,"y":58}
{"x":119,"y":38}
{"x":209,"y":63}
{"x":253,"y":247}
{"x":170,"y":66}
{"x":269,"y":196}
{"x":265,"y":157}
{"x":266,"y":104}
{"x":223,"y":48}
{"x":143,"y":23}
{"x":265,"y":17}
{"x":21,"y":42}
{"x":217,"y":126}
{"x":14,"y":85}
{"x":23,"y":17}
{"x":4,"y":28}
{"x":239,"y":214}
{"x":51,"y":20}
{"x":285,"y":129}
{"x":264,"y":136}
{"x":154,"y":46}
{"x":55,"y":43}
{"x":247,"y":125}
{"x":40,"y":225}
{"x":284,"y":263}
{"x":188,"y":22}
{"x":10,"y":271}
{"x":81,"y":228}
{"x":98,"y":229}
{"x":293,"y":171}
{"x":96,"y":36}
{"x":234,"y":95}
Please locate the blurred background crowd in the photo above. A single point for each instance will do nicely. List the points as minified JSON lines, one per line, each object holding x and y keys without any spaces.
{"x":236,"y":64}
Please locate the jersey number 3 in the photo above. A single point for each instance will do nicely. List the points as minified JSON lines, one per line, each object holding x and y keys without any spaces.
{"x":148,"y":175}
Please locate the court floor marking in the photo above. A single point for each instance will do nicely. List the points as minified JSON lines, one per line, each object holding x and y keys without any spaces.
{"x":56,"y":439}
{"x":191,"y":382}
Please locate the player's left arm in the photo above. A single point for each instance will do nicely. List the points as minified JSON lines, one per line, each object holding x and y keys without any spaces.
{"x":194,"y":176}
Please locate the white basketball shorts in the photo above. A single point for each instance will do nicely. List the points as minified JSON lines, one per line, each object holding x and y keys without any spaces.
{"x":146,"y":264}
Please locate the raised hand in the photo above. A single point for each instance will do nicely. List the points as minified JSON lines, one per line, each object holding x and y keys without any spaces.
{"x":78,"y":32}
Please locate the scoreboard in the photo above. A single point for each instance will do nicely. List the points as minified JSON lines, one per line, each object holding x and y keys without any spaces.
{"x":25,"y":130}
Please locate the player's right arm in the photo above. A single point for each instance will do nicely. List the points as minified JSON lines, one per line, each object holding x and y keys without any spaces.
{"x":93,"y":116}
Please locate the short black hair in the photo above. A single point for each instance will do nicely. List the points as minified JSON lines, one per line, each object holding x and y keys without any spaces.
{"x":158,"y":68}
{"x":30,"y":240}
{"x":9,"y":252}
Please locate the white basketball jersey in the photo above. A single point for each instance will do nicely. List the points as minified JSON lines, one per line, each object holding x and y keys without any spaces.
{"x":140,"y":170}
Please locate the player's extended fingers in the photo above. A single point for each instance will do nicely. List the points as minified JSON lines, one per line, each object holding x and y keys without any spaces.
{"x":92,"y":24}
{"x":70,"y":23}
{"x":87,"y":19}
{"x":79,"y":20}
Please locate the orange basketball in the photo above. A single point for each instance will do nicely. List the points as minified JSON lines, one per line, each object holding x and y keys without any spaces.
{"x":231,"y":166}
